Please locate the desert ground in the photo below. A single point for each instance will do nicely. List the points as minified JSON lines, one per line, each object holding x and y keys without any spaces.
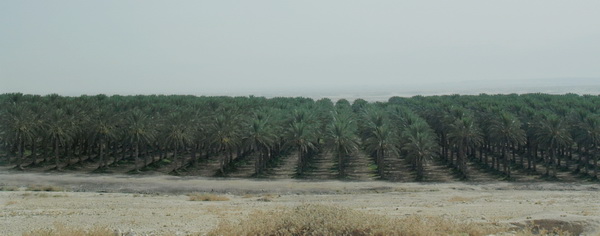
{"x":160,"y":205}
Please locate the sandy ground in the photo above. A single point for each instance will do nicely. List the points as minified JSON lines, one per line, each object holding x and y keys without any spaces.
{"x":158,"y":204}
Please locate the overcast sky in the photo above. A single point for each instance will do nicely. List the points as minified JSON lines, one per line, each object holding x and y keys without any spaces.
{"x":232,"y":47}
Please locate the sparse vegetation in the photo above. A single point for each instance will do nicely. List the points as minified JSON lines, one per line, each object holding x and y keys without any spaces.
{"x":10,"y":203}
{"x":62,"y":230}
{"x":460,"y":199}
{"x":207,"y":197}
{"x":309,"y":219}
{"x":43,"y":195}
{"x":45,"y":188}
{"x":9,"y":188}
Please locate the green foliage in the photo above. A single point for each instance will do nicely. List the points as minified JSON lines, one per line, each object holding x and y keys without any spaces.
{"x":112,"y":130}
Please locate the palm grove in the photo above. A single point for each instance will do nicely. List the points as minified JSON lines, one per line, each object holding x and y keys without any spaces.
{"x":540,"y":134}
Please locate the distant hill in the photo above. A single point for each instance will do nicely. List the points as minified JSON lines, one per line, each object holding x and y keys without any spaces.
{"x":378,"y":92}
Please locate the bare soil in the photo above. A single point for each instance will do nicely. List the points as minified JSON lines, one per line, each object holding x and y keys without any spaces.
{"x":158,"y":203}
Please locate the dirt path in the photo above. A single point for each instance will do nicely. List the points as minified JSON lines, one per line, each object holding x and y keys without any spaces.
{"x":285,"y":167}
{"x":397,"y":169}
{"x":322,"y":167}
{"x":244,"y":166}
{"x":206,"y":167}
{"x":437,"y":171}
{"x":361,"y":167}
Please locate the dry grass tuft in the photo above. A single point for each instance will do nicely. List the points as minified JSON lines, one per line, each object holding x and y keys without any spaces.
{"x":9,"y":188}
{"x":10,"y":203}
{"x":311,"y":219}
{"x":45,"y":188}
{"x":460,"y":199}
{"x":207,"y":197}
{"x":42,"y":195}
{"x":62,"y":230}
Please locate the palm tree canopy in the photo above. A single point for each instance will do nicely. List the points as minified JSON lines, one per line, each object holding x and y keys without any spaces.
{"x":506,"y":128}
{"x":464,"y":131}
{"x":342,"y":134}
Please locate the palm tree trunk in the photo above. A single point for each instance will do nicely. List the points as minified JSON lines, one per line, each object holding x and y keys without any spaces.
{"x":506,"y":160}
{"x":21,"y":153}
{"x":66,"y":154}
{"x":33,"y":152}
{"x":101,"y":155}
{"x":56,"y":160}
{"x":143,"y":155}
{"x":257,"y":164}
{"x":504,"y":157}
{"x":115,"y":153}
{"x":380,"y":165}
{"x":595,"y":158}
{"x":79,"y":153}
{"x":341,"y":164}
{"x":135,"y":156}
{"x":535,"y":158}
{"x":193,"y":155}
{"x":300,"y":161}
{"x":459,"y":162}
{"x":556,"y":161}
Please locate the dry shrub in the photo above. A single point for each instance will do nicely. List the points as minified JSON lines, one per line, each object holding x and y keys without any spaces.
{"x":460,"y":199}
{"x":62,"y":230}
{"x":45,"y":188}
{"x":311,"y":219}
{"x":10,"y":203}
{"x":207,"y":197}
{"x":9,"y":188}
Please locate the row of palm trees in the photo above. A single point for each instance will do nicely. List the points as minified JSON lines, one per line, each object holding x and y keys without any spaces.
{"x":498,"y":132}
{"x":539,"y":127}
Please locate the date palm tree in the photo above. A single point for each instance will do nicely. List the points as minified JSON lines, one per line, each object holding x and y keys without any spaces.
{"x":506,"y":130}
{"x":464,"y":134}
{"x":138,"y":132}
{"x":179,"y":134}
{"x":342,"y":138}
{"x":225,"y":136}
{"x":102,"y":130}
{"x":18,"y":126}
{"x":589,"y":137}
{"x":260,"y":137}
{"x":420,"y":145}
{"x":553,"y":133}
{"x":59,"y":130}
{"x":378,"y":137}
{"x":301,"y":136}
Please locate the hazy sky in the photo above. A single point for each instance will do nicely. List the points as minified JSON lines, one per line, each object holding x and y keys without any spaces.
{"x":223,"y":47}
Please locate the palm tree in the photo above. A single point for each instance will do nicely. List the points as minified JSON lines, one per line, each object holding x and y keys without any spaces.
{"x":302,"y":137}
{"x":18,"y":125}
{"x":506,"y":130}
{"x":200,"y":140}
{"x":342,"y":137}
{"x":420,"y":145}
{"x":464,"y":134}
{"x":260,"y":137}
{"x":225,"y":137}
{"x":59,"y":129}
{"x":178,"y":135}
{"x":378,"y":137}
{"x":553,"y":133}
{"x":138,"y":132}
{"x":589,"y":136}
{"x":102,"y":131}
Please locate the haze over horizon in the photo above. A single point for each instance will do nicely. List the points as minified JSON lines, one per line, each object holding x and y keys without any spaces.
{"x":275,"y":48}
